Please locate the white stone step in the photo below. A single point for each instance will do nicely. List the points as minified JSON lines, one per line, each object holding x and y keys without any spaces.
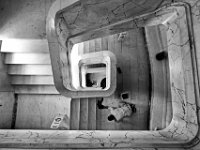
{"x":92,"y":112}
{"x":29,"y":70}
{"x":24,"y":46}
{"x":75,"y":114}
{"x":83,"y":123}
{"x":83,"y":114}
{"x":31,"y":80}
{"x":27,"y":58}
{"x":35,"y":89}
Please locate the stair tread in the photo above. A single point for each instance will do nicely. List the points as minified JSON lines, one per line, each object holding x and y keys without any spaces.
{"x":25,"y":46}
{"x":27,"y":58}
{"x":83,"y":123}
{"x":30,"y":69}
{"x":75,"y":114}
{"x":92,"y":114}
{"x":35,"y":89}
{"x":31,"y":80}
{"x":83,"y":114}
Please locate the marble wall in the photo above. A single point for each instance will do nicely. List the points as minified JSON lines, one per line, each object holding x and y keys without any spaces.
{"x":24,"y":18}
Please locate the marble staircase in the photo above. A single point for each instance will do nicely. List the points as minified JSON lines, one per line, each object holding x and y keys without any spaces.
{"x":29,"y":66}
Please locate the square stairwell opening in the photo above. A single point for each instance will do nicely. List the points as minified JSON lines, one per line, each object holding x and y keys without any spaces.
{"x":94,"y":75}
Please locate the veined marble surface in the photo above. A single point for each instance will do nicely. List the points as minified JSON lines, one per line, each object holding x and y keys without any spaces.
{"x":184,"y":89}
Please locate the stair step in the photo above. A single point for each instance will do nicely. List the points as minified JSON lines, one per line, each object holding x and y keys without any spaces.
{"x":24,"y":46}
{"x":83,"y":114}
{"x":27,"y":58}
{"x":35,"y":89}
{"x":75,"y":114}
{"x":83,"y":123}
{"x":31,"y":80}
{"x":29,"y":70}
{"x":92,"y":114}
